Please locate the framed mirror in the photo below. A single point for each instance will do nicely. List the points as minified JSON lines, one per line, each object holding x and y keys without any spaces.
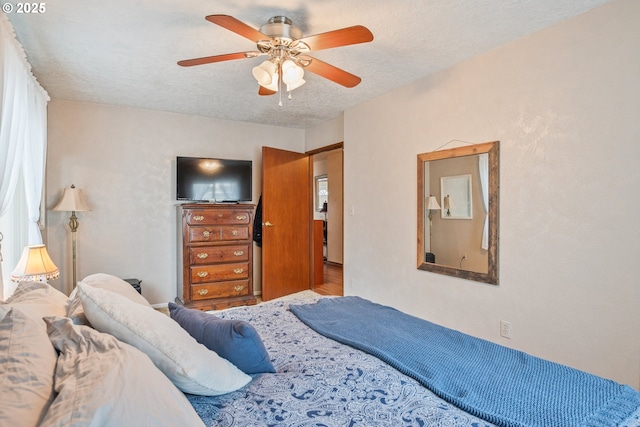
{"x":458,"y":209}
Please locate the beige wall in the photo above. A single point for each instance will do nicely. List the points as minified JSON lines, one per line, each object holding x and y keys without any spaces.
{"x":564,"y":104}
{"x":124,"y":161}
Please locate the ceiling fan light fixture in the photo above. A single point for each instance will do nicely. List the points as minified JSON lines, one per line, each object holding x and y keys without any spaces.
{"x":265,"y":73}
{"x":287,"y":50}
{"x":292,"y":73}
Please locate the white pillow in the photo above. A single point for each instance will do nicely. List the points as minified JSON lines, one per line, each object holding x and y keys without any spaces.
{"x":104,"y":382}
{"x":27,"y":366}
{"x":189,"y":365}
{"x":103,"y":281}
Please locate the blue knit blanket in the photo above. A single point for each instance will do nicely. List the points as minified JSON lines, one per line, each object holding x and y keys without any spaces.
{"x":501,"y":385}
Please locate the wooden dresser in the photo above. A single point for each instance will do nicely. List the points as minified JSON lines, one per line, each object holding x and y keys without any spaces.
{"x":215,"y":250}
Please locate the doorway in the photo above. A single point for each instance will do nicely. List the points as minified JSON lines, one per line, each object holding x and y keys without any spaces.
{"x":327,"y":171}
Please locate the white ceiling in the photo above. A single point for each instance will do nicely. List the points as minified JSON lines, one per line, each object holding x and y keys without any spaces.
{"x":124,"y":52}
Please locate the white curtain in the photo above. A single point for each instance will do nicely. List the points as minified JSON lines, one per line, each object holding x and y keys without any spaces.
{"x":483,"y":167}
{"x":34,"y":165}
{"x":23,"y":129}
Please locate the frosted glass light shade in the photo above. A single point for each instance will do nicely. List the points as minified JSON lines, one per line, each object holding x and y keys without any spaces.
{"x":265,"y":73}
{"x":295,"y":85}
{"x":274,"y":83}
{"x":35,"y":264}
{"x":292,"y":74}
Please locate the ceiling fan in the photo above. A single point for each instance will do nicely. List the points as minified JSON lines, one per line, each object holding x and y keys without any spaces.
{"x":288,"y":52}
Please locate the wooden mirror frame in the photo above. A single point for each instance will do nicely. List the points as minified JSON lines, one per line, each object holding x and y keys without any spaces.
{"x":492,"y":148}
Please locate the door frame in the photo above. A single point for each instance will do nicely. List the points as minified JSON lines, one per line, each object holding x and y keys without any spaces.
{"x":311,"y":153}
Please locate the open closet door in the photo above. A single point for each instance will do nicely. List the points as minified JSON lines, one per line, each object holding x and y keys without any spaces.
{"x":286,"y":219}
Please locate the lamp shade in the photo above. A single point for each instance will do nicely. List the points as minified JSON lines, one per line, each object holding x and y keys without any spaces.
{"x":291,"y":73}
{"x":72,"y":201}
{"x":448,"y":204}
{"x":265,"y":73}
{"x":35,"y":264}
{"x":432,"y":203}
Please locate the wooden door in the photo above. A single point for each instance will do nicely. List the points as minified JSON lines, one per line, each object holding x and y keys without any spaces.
{"x":286,"y":219}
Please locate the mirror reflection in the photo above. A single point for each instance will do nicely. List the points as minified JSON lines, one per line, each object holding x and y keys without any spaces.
{"x":458,"y":212}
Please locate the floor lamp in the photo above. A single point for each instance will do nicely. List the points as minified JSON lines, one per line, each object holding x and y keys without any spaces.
{"x":432,"y":205}
{"x":72,"y":202}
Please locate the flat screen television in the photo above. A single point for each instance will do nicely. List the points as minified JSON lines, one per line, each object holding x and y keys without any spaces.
{"x":213,"y":180}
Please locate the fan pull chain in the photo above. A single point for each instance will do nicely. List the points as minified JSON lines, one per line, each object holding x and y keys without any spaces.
{"x":280,"y":89}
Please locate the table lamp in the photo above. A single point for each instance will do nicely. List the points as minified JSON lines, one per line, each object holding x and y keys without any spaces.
{"x":35,"y":264}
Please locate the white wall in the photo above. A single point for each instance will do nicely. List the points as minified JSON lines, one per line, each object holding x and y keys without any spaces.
{"x":328,"y":133}
{"x":564,"y":104}
{"x":124,"y":161}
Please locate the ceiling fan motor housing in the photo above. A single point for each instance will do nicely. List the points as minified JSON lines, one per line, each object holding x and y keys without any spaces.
{"x":281,"y":27}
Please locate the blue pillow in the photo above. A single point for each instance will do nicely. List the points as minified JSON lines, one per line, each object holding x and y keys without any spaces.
{"x":235,"y":340}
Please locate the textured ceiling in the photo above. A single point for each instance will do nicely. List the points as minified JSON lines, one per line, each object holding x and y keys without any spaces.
{"x":124,"y":52}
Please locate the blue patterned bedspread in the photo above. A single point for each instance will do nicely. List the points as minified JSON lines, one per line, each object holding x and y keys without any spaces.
{"x":320,"y":382}
{"x":499,"y":384}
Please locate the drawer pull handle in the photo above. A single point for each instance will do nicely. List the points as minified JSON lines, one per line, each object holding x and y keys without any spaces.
{"x":238,"y":270}
{"x":220,"y":215}
{"x":241,"y":217}
{"x":198,"y":218}
{"x":203,"y":292}
{"x":202,"y":255}
{"x":238,"y":253}
{"x":234,"y":233}
{"x":206,"y":234}
{"x":238,"y":288}
{"x":202,"y":274}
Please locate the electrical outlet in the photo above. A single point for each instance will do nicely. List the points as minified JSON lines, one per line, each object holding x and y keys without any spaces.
{"x":505,"y":329}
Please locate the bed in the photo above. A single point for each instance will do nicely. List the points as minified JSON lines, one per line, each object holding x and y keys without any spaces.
{"x":113,"y":360}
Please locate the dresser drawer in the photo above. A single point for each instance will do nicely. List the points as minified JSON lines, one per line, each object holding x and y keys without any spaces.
{"x":218,"y":273}
{"x":219,"y":290}
{"x":216,"y":254}
{"x":216,"y":216}
{"x":234,"y":233}
{"x":216,"y":234}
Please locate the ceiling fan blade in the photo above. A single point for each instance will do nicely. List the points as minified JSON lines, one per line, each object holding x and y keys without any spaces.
{"x":215,"y":58}
{"x":263,"y":91}
{"x":238,"y":27}
{"x":343,"y":37}
{"x":332,"y":73}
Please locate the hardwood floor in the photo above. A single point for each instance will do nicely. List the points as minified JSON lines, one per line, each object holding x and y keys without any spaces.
{"x":332,"y":280}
